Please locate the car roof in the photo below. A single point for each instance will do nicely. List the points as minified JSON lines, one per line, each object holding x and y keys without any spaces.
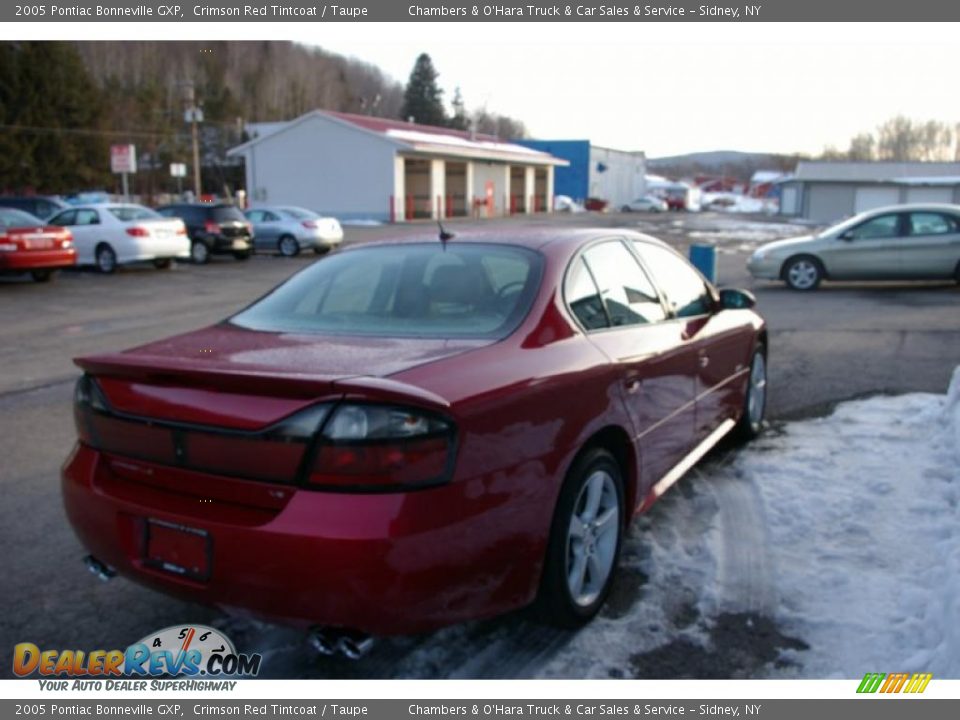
{"x":913,"y":207}
{"x":537,"y":238}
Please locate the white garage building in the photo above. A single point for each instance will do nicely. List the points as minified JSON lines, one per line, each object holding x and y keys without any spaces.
{"x":828,"y":191}
{"x":360,"y":167}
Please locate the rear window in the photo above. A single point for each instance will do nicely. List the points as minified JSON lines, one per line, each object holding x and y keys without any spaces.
{"x":416,"y":290}
{"x":299,"y":213}
{"x":226,"y":213}
{"x":128,"y":213}
{"x":17,"y":218}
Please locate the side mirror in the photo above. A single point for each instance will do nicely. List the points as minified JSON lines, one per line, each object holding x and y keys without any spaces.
{"x":734,"y":299}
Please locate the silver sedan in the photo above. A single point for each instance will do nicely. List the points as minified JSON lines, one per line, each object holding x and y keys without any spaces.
{"x":900,"y":242}
{"x":288,"y":230}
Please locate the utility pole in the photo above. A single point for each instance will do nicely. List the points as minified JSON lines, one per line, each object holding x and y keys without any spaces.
{"x":194,"y":115}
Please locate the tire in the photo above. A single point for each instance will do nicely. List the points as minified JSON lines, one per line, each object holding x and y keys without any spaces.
{"x":626,"y":209}
{"x":585,"y":541}
{"x":162,"y":263}
{"x":42,"y":276}
{"x":802,"y":273}
{"x":754,"y":399}
{"x":105,"y":259}
{"x":199,"y":253}
{"x":242,"y":255}
{"x":288,"y":246}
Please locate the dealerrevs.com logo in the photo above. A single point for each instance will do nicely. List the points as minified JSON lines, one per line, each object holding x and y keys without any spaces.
{"x":178,"y":651}
{"x":894,"y":682}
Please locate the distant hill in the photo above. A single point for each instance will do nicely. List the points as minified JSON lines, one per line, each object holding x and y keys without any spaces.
{"x":733,"y":163}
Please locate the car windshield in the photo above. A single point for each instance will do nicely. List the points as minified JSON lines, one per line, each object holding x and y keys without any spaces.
{"x":412,"y":290}
{"x":128,"y":213}
{"x":299,"y":213}
{"x":18,"y":218}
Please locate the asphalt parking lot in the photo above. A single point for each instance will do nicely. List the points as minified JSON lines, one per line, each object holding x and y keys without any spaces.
{"x":841,"y":342}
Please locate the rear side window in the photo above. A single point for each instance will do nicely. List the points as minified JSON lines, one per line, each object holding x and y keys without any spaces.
{"x":64,"y":219}
{"x":927,"y":223}
{"x":686,"y":291}
{"x":584,"y":298}
{"x":627,"y":293}
{"x":412,"y":290}
{"x":226,"y":213}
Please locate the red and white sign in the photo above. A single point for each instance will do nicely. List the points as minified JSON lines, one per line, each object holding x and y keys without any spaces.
{"x":123,"y":158}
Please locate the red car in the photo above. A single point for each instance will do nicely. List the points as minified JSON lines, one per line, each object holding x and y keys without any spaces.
{"x":413,"y":433}
{"x":29,"y":246}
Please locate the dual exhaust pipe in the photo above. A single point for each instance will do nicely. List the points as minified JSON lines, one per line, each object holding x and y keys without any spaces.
{"x":103,"y":571}
{"x":326,"y":641}
{"x":351,"y":644}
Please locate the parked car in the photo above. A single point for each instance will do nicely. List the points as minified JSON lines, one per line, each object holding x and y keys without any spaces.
{"x":596,"y":204}
{"x":288,"y":230}
{"x":115,"y":234}
{"x":29,"y":246}
{"x":900,"y":242}
{"x":413,"y":433}
{"x":41,"y":206}
{"x":214,"y":228}
{"x":646,"y":203}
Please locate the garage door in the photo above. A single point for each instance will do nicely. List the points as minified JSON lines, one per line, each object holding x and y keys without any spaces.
{"x":870,"y":198}
{"x":930,"y":195}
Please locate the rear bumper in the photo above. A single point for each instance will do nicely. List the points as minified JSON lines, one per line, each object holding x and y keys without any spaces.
{"x":37,"y":259}
{"x":385,"y":564}
{"x":221,"y":244}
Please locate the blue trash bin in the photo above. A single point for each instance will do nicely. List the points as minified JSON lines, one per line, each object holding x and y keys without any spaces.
{"x":704,"y":259}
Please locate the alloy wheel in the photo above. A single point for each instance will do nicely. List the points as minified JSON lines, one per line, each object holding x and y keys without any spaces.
{"x":592,"y":538}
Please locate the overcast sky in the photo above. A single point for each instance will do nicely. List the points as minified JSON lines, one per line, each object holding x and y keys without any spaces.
{"x":669,"y":89}
{"x":664,"y":88}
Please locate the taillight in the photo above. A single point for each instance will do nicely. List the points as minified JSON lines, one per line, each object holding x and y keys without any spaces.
{"x":211,"y":227}
{"x":249,"y":228}
{"x":375,"y":447}
{"x":181,"y":229}
{"x":138,"y":231}
{"x":311,"y":224}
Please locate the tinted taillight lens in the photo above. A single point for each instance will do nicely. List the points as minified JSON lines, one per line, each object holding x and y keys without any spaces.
{"x":211,"y":227}
{"x":374,"y":447}
{"x":311,"y":224}
{"x":138,"y":232}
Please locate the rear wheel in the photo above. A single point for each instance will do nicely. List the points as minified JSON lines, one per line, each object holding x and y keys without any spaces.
{"x":162,"y":263}
{"x":288,"y":246}
{"x":803,"y":273}
{"x":105,"y":258}
{"x":42,"y":276}
{"x":199,"y":252}
{"x":585,"y":540}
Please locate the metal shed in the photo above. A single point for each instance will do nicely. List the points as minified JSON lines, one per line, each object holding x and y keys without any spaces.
{"x":360,"y":167}
{"x":828,"y":191}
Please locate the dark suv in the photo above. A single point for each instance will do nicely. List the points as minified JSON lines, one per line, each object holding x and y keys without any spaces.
{"x":41,"y":206}
{"x":213,"y":228}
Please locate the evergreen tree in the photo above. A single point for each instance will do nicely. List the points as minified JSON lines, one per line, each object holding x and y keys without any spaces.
{"x":459,"y":121}
{"x":422,"y":99}
{"x":51,"y":112}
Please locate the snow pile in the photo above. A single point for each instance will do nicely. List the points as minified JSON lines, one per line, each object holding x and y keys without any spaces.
{"x":843,"y":531}
{"x":737,"y":203}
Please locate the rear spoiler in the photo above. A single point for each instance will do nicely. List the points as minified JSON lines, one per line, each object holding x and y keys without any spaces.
{"x":305,"y":385}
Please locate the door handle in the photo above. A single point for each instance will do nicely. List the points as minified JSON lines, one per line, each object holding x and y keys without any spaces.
{"x":704,"y":361}
{"x":633,"y":385}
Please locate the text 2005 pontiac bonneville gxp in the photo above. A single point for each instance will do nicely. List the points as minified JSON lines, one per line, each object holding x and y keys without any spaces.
{"x":412,"y":433}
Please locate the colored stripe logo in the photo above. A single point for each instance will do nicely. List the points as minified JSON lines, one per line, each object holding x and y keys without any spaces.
{"x":894,"y":683}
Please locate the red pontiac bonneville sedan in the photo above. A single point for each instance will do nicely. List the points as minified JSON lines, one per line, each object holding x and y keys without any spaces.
{"x":29,"y":246}
{"x":413,"y":433}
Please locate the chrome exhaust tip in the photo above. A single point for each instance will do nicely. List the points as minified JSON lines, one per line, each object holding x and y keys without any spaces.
{"x":355,"y":645}
{"x":321,"y":641}
{"x":103,"y":571}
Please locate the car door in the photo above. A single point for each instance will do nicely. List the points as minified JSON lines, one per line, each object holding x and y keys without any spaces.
{"x":931,"y":248}
{"x":868,"y":251}
{"x":622,"y":313}
{"x":271,"y":228}
{"x":719,"y":342}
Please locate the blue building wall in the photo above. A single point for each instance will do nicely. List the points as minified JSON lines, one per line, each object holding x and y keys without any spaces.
{"x":573,"y":181}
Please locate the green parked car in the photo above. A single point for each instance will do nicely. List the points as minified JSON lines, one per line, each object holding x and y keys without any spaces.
{"x":899,"y":242}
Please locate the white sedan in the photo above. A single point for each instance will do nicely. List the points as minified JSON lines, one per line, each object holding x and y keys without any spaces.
{"x":647,"y":203}
{"x":109,"y":234}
